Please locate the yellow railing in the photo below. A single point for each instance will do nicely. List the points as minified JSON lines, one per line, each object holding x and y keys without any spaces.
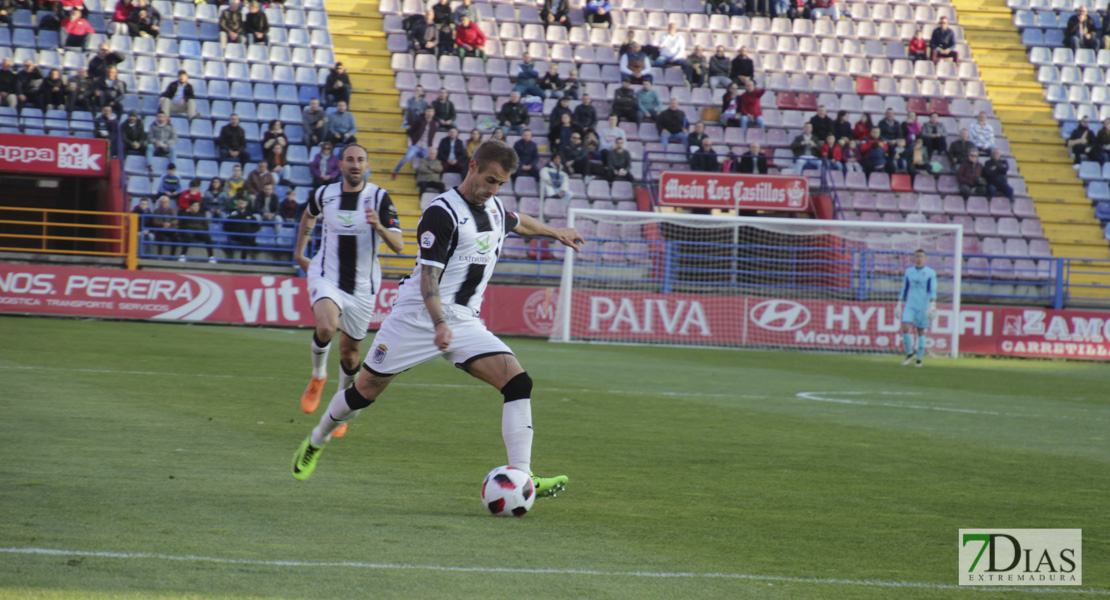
{"x":84,"y":232}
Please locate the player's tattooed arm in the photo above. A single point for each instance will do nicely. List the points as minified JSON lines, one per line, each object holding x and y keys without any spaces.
{"x":429,"y":288}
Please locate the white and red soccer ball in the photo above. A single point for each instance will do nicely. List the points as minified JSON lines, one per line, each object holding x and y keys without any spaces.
{"x":508,"y":492}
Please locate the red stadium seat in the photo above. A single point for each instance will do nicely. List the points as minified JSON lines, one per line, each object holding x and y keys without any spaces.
{"x":865,"y":86}
{"x":939,"y":106}
{"x":917,"y":105}
{"x":900,"y":182}
{"x":807,"y":101}
{"x":786,"y":101}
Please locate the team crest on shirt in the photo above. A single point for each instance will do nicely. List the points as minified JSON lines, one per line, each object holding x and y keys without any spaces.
{"x":496,"y":216}
{"x":484,"y":244}
{"x":427,"y":240}
{"x":379,"y":354}
{"x":346,"y":218}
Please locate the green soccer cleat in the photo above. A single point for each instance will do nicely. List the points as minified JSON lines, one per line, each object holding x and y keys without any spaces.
{"x":304,"y":459}
{"x":549,"y":486}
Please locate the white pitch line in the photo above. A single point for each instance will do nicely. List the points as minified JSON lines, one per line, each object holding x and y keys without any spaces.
{"x":830,"y":398}
{"x":515,"y":570}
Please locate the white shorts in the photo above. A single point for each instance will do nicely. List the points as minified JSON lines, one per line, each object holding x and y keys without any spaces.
{"x":354,"y":311}
{"x":407,"y":339}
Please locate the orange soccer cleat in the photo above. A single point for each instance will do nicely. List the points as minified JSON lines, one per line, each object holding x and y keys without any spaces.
{"x":340,"y":431}
{"x":310,"y":399}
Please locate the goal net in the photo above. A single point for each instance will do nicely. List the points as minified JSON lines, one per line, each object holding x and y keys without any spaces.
{"x":751,"y":282}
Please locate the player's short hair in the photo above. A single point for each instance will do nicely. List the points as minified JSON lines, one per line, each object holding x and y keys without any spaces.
{"x":353,"y":145}
{"x":496,"y":151}
{"x":919,"y":251}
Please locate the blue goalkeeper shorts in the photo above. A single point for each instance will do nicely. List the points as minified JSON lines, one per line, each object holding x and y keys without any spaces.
{"x":918,"y":315}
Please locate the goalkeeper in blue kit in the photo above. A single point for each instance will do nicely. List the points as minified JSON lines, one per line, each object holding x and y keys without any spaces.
{"x":919,"y":293}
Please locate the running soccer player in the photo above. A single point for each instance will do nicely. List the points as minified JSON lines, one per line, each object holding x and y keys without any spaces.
{"x":460,"y":235}
{"x":919,"y":292}
{"x":344,"y":276}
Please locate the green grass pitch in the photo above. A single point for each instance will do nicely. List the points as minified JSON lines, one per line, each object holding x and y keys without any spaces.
{"x":693,"y":473}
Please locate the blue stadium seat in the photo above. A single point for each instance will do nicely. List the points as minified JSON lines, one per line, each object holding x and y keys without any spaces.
{"x":48,"y":59}
{"x":200,"y":86}
{"x":23,"y":38}
{"x":22,"y":19}
{"x":251,"y":129}
{"x":201,"y":129}
{"x":321,"y":38}
{"x":211,"y":50}
{"x":158,"y":164}
{"x":168,"y":67}
{"x":218,"y":90}
{"x":297,"y":154}
{"x":146,"y":65}
{"x":294,"y":18}
{"x":246,"y":111}
{"x":149,"y":84}
{"x":144,"y":46}
{"x":184,"y":11}
{"x":81,"y":121}
{"x":186,"y":169}
{"x":190,"y":48}
{"x":324,"y":57}
{"x":1102,"y":211}
{"x":266,"y":112}
{"x":120,"y":43}
{"x":295,"y":133}
{"x":261,"y":73}
{"x":207,"y":13}
{"x":286,"y":92}
{"x":1099,"y":191}
{"x":139,"y":186}
{"x":306,"y":93}
{"x":205,"y":149}
{"x":148,"y":104}
{"x":207,"y":169}
{"x":34,"y":131}
{"x":280,"y":56}
{"x":183,"y":146}
{"x":283,"y":73}
{"x":166,"y":47}
{"x":130,"y":102}
{"x":47,"y":39}
{"x":1032,"y":37}
{"x":299,"y":175}
{"x":275,"y":17}
{"x":257,"y":53}
{"x":302,"y":56}
{"x":264,"y":92}
{"x":9,"y":117}
{"x":1089,"y":171}
{"x":254,"y":149}
{"x":238,"y":72}
{"x":299,"y":38}
{"x":187,"y":31}
{"x":214,"y":69}
{"x":221,"y":110}
{"x":98,"y":22}
{"x":235,"y":53}
{"x":279,"y":36}
{"x":226,"y":168}
{"x":316,"y":19}
{"x":134,"y":164}
{"x":179,"y":123}
{"x":57,"y":122}
{"x":23,"y":55}
{"x":289,"y":113}
{"x":241,"y":90}
{"x":209,"y":32}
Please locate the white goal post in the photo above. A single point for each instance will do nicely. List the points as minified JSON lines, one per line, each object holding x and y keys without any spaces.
{"x":751,"y":282}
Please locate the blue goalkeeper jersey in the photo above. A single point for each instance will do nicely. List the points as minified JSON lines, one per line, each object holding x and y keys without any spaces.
{"x":919,"y":286}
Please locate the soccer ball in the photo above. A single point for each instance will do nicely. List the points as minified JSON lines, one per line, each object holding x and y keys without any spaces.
{"x":508,"y":492}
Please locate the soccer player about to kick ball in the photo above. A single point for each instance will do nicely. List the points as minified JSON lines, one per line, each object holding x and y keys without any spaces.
{"x":436,"y":313}
{"x":344,"y":277}
{"x":919,"y":292}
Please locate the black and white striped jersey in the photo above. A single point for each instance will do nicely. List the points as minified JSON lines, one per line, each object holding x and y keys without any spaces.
{"x":348,"y":255}
{"x":465,"y":242}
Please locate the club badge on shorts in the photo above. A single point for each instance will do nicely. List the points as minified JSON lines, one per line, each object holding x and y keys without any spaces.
{"x":379,"y":354}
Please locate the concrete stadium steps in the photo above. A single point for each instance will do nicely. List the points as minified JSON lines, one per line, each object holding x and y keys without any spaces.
{"x":359,"y":41}
{"x":1018,"y":98}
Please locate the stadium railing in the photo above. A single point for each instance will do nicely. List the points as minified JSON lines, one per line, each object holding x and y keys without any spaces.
{"x":74,"y":232}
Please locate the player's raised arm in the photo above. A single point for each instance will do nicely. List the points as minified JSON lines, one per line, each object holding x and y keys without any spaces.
{"x":567,"y":236}
{"x":304,"y":233}
{"x":386,"y":223}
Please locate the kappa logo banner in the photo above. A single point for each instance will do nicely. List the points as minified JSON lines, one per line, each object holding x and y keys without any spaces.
{"x":50,"y":155}
{"x":728,"y":190}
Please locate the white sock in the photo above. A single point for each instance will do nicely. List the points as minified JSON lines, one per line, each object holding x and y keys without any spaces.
{"x":319,"y":358}
{"x":338,"y":413}
{"x":516,"y":430}
{"x":346,"y":379}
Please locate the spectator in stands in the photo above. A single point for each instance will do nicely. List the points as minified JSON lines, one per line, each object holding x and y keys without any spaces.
{"x":342,"y":129}
{"x":942,"y":44}
{"x":618,"y":164}
{"x":77,"y":29}
{"x":170,"y":183}
{"x":233,"y":141}
{"x":163,"y":223}
{"x":833,"y":154}
{"x":106,"y":127}
{"x":414,"y":107}
{"x":554,"y":180}
{"x":325,"y":166}
{"x":513,"y":115}
{"x":161,"y":139}
{"x":917,"y":49}
{"x":911,"y":128}
{"x":694,"y":138}
{"x":256,"y":26}
{"x":571,"y":85}
{"x":420,"y":134}
{"x":48,"y":21}
{"x":982,"y":134}
{"x":751,"y":107}
{"x":193,"y":230}
{"x":470,"y":39}
{"x":231,"y":24}
{"x":429,"y":173}
{"x":705,"y":159}
{"x":806,"y":148}
{"x":529,"y":155}
{"x":143,"y":210}
{"x":275,"y":137}
{"x":314,"y":121}
{"x":647,"y":100}
{"x":959,"y":149}
{"x":1104,"y":28}
{"x":552,"y":85}
{"x":178,"y":97}
{"x":244,"y":222}
{"x":337,"y":87}
{"x":672,"y":48}
{"x":695,"y":69}
{"x":851,"y":155}
{"x":635,"y":65}
{"x":289,"y":209}
{"x":742,"y":68}
{"x":720,"y":68}
{"x":268,"y":205}
{"x":469,"y":10}
{"x":672,"y":125}
{"x":53,"y":91}
{"x":900,"y":156}
{"x":498,"y":135}
{"x":120,"y":17}
{"x":723,"y":7}
{"x":1102,"y":142}
{"x":825,"y":8}
{"x":236,"y":184}
{"x":145,"y":21}
{"x":1081,"y":31}
{"x":754,"y":161}
{"x":445,"y":110}
{"x":110,"y":90}
{"x":215,"y":199}
{"x":585,"y":114}
{"x":608,"y":135}
{"x":625,"y":106}
{"x":80,"y":91}
{"x":554,"y":12}
{"x":919,"y":158}
{"x":526,"y":78}
{"x":597,"y":14}
{"x":862,"y":131}
{"x":30,"y":79}
{"x":133,"y":134}
{"x":9,"y":84}
{"x":823,"y":125}
{"x":562,"y":107}
{"x":842,"y":127}
{"x":104,"y":60}
{"x":561,"y":131}
{"x":875,"y":153}
{"x":442,"y":14}
{"x":257,"y":179}
{"x":424,"y":35}
{"x":577,"y":159}
{"x":933,"y":133}
{"x":1082,"y":143}
{"x":889,"y":127}
{"x":446,"y":44}
{"x":994,"y":172}
{"x":474,"y":141}
{"x":969,"y":176}
{"x":190,"y":195}
{"x":277,"y":162}
{"x":452,"y":152}
{"x":730,"y":107}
